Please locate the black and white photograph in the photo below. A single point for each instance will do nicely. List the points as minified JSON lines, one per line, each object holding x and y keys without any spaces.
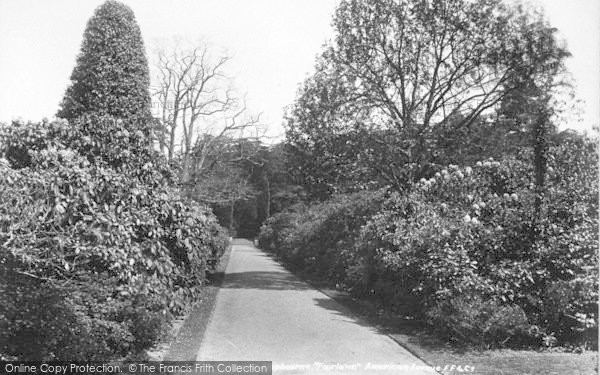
{"x":299,"y":187}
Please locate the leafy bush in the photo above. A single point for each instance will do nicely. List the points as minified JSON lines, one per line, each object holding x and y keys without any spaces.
{"x":313,"y":239}
{"x":471,"y":319}
{"x":478,"y":251}
{"x":40,"y":320}
{"x":103,"y":228}
{"x":478,"y":232}
{"x":272,"y":233}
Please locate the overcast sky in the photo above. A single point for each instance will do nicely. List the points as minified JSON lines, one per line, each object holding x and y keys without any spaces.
{"x":273,"y":44}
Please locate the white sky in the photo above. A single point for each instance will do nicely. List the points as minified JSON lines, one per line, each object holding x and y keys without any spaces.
{"x":273,"y":42}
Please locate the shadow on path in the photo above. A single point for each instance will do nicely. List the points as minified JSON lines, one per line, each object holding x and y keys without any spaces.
{"x":263,"y":280}
{"x":344,"y":313}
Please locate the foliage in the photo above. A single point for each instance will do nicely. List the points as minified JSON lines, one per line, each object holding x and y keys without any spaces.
{"x":401,"y":76}
{"x":470,"y":319}
{"x":42,"y":322}
{"x":69,"y":210}
{"x":313,"y":238}
{"x":407,"y":87}
{"x":467,"y":250}
{"x":274,"y":231}
{"x":76,"y":320}
{"x":111,"y":74}
{"x":99,"y":248}
{"x":122,"y":146}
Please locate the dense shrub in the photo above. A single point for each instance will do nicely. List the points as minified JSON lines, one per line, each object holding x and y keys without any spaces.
{"x":475,"y":251}
{"x":315,"y":238}
{"x":118,"y":247}
{"x":273,"y":233}
{"x":471,"y":319}
{"x":477,"y":233}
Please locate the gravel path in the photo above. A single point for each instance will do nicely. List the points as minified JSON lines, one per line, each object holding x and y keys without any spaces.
{"x":263,"y":312}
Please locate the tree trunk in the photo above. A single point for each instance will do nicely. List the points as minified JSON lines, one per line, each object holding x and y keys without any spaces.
{"x":171,"y":143}
{"x":185,"y":169}
{"x":231,"y":208}
{"x":268,"y":197}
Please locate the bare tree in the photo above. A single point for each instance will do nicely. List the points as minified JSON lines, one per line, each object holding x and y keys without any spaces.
{"x":224,"y":178}
{"x":237,"y":125}
{"x":195,"y":99}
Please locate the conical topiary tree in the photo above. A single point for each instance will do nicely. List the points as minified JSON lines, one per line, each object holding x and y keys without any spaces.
{"x":111,"y":76}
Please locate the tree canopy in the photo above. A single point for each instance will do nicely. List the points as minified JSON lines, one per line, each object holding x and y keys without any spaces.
{"x":398,"y":72}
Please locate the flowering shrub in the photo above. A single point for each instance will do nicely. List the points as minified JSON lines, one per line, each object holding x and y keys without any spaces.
{"x":82,"y":220}
{"x":476,"y":251}
{"x":476,"y":233}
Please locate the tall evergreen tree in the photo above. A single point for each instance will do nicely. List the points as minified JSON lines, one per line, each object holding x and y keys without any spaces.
{"x":111,"y":75}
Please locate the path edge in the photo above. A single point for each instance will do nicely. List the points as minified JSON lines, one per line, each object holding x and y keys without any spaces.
{"x":183,"y":346}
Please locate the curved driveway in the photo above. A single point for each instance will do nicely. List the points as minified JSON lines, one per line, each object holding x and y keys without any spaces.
{"x":263,"y":312}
